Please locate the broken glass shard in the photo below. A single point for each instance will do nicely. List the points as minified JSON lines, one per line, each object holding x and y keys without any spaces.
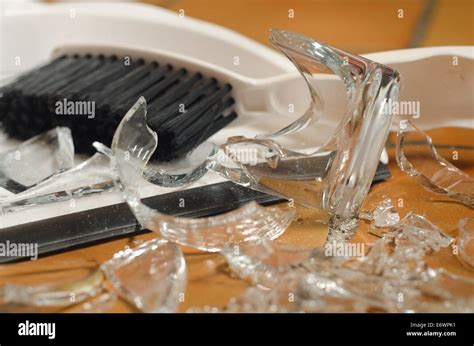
{"x":36,"y":159}
{"x":392,"y":276}
{"x":133,"y":144}
{"x":296,"y":292}
{"x":206,"y":309}
{"x":151,"y":276}
{"x":179,"y":172}
{"x":62,"y":294}
{"x":417,"y":156}
{"x":465,"y":241}
{"x":385,"y":215}
{"x":422,"y":232}
{"x":366,"y":215}
{"x":90,"y":177}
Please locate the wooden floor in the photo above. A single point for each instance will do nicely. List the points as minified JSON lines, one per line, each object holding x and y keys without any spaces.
{"x":361,"y":26}
{"x":354,"y":25}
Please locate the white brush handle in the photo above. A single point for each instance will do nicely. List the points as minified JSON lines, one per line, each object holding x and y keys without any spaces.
{"x":437,"y":89}
{"x":441,"y":79}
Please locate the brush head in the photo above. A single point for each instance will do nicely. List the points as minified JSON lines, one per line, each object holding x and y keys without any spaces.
{"x":90,"y":95}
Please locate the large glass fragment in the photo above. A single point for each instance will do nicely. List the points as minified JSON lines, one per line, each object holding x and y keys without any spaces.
{"x":391,"y":276}
{"x":337,"y":176}
{"x":417,"y":156}
{"x":151,"y":276}
{"x":133,"y":144}
{"x":36,"y":159}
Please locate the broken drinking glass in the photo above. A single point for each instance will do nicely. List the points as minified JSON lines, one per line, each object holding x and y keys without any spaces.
{"x":336,"y":177}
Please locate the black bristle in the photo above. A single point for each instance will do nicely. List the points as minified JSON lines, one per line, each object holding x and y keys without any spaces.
{"x":28,"y":104}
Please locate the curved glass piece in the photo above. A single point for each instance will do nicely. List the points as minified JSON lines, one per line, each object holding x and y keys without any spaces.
{"x":36,"y":159}
{"x":174,"y":173}
{"x":337,"y":176}
{"x":179,"y":172}
{"x":90,"y":177}
{"x":151,"y":276}
{"x":422,"y":161}
{"x":54,"y":294}
{"x":133,"y":144}
{"x":465,"y":241}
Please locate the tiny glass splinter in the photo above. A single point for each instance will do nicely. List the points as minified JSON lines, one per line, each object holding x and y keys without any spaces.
{"x":99,"y":304}
{"x":384,"y":215}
